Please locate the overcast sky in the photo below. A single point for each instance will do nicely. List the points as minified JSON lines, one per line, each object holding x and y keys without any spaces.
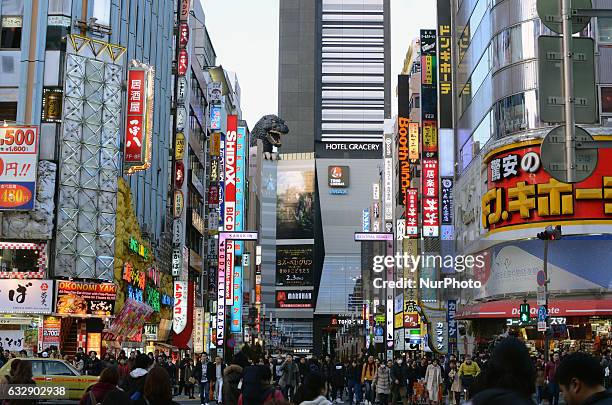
{"x":245,"y":36}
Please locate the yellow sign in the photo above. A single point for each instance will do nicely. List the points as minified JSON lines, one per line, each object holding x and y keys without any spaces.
{"x":179,"y":146}
{"x":427,"y":69}
{"x":398,"y":322}
{"x":214,"y":144}
{"x":413,"y":141}
{"x":430,"y":136}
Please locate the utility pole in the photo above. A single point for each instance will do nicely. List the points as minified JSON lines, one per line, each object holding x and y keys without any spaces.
{"x":568,"y":86}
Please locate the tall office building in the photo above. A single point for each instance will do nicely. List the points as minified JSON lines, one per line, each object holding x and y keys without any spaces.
{"x":334,"y":93}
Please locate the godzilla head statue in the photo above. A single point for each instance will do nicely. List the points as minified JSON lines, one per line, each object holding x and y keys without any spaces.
{"x":270,"y":129}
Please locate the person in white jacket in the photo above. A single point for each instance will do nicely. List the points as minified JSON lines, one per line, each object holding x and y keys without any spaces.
{"x":433,"y":381}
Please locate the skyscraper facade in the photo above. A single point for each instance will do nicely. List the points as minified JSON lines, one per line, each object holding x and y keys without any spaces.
{"x":334,"y":94}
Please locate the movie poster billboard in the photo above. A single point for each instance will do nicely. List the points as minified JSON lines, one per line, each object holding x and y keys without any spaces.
{"x":295,"y":199}
{"x":294,"y":265}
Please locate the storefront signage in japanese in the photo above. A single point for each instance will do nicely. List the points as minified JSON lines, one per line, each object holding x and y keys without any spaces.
{"x":179,"y":146}
{"x":138,"y":248}
{"x":177,"y":262}
{"x":183,"y":62}
{"x":431,"y":220}
{"x":184,"y":10}
{"x":430,"y":138}
{"x":215,"y":92}
{"x":52,"y":328}
{"x":77,"y":298}
{"x":445,"y":78}
{"x":403,"y":156}
{"x":26,"y":296}
{"x":447,"y":201}
{"x":183,"y":34}
{"x":215,"y":118}
{"x":139,"y":117}
{"x":179,"y":203}
{"x":452,"y":326}
{"x":521,"y":192}
{"x":198,"y":330}
{"x":413,"y":141}
{"x":411,"y":211}
{"x":18,"y":167}
{"x":12,"y":340}
{"x":179,"y":320}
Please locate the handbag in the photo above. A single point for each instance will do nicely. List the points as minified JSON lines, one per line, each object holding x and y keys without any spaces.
{"x":192,"y":380}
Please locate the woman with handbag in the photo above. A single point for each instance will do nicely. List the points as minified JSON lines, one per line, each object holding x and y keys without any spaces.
{"x":190,"y":380}
{"x":382,"y":382}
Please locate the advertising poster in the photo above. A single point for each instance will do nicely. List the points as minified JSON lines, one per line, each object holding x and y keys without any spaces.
{"x":294,"y":265}
{"x":295,"y":199}
{"x":139,"y":105}
{"x":293,"y":299}
{"x":52,"y":327}
{"x":76,"y":298}
{"x":18,"y":167}
{"x":26,"y":296}
{"x":12,"y":340}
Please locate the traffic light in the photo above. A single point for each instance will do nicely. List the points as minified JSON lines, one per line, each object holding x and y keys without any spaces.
{"x":550,"y":233}
{"x":524,"y":312}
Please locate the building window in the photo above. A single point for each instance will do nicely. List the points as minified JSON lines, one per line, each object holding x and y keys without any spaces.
{"x":10,"y":36}
{"x":8,"y":111}
{"x":101,"y":11}
{"x":606,"y":100}
{"x":604,"y":28}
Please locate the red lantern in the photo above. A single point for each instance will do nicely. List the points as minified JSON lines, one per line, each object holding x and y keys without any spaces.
{"x":179,"y":174}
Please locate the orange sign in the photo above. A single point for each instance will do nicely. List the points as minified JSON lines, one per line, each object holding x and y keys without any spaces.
{"x":521,"y":192}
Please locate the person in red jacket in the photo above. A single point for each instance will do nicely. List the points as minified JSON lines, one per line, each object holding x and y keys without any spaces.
{"x":551,"y":383}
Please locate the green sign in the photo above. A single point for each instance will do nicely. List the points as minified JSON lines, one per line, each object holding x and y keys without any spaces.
{"x":153,"y":298}
{"x":138,"y":248}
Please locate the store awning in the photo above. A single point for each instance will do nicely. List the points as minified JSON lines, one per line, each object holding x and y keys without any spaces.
{"x":218,"y":75}
{"x":556,"y":308}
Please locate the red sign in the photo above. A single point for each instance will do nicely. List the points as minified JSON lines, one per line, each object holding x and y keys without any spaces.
{"x":556,"y":308}
{"x":183,"y":34}
{"x":521,"y":192}
{"x":52,"y":326}
{"x":134,"y":128}
{"x":412,"y":210}
{"x":294,"y":299}
{"x":213,"y":194}
{"x":430,"y":177}
{"x":179,"y":173}
{"x":183,"y":62}
{"x":18,"y":162}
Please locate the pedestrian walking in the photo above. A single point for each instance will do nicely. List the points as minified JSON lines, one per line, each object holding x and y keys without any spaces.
{"x":232,"y":375}
{"x":257,"y":388}
{"x":551,"y":384}
{"x":367,"y":377}
{"x":133,"y":384}
{"x":157,"y":388}
{"x":219,"y":369}
{"x":203,"y":373}
{"x":312,"y":391}
{"x":468,"y":371}
{"x":433,"y":381}
{"x":581,"y":380}
{"x":382,"y":382}
{"x":338,"y":382}
{"x":353,"y":377}
{"x":453,"y":384}
{"x":509,"y":377}
{"x":399,"y":381}
{"x":290,"y":375}
{"x":105,"y":391}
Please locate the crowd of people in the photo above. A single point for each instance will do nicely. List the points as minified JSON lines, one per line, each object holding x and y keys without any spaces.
{"x":507,"y":375}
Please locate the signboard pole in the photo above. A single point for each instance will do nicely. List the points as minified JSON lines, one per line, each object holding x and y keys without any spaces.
{"x":546,"y":334}
{"x":568,"y":85}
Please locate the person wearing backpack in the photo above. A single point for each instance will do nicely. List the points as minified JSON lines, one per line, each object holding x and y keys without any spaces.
{"x":105,"y":391}
{"x":257,"y":388}
{"x":133,"y":384}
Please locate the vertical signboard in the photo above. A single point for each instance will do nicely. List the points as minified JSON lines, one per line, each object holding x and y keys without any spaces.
{"x":18,"y":167}
{"x":403,"y":156}
{"x":452,"y":326}
{"x":445,"y":78}
{"x":139,"y":119}
{"x":221,"y":293}
{"x":388,"y":178}
{"x":198,"y":330}
{"x":229,"y":201}
{"x":179,"y":319}
{"x":411,"y":212}
{"x":241,"y":148}
{"x":447,"y":200}
{"x":413,"y":141}
{"x":365,"y":220}
{"x":429,"y":135}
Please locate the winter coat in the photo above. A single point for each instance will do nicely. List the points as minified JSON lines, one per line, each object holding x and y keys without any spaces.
{"x":328,"y":370}
{"x":433,"y":379}
{"x":133,"y":384}
{"x":320,"y":400}
{"x":289,"y":375}
{"x":501,"y":397}
{"x":260,"y":397}
{"x":231,"y":378}
{"x":601,"y":398}
{"x":399,"y":372}
{"x":382,"y":380}
{"x":353,"y":374}
{"x":104,"y":391}
{"x":368,"y":371}
{"x":339,"y":375}
{"x":454,"y":382}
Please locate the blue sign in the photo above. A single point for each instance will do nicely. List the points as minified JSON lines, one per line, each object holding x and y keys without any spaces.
{"x":542,"y":314}
{"x":167,"y":300}
{"x":215,"y":117}
{"x":241,"y":150}
{"x":541,"y":276}
{"x":365,"y":221}
{"x":134,"y":293}
{"x":378,"y":331}
{"x":338,"y":191}
{"x":451,"y":310}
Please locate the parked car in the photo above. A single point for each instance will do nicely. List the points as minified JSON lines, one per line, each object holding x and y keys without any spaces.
{"x":56,"y":373}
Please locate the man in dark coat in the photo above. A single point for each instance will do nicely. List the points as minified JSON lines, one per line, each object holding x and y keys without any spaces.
{"x":581,"y":379}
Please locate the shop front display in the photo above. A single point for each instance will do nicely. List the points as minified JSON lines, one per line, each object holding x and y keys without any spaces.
{"x":23,"y":260}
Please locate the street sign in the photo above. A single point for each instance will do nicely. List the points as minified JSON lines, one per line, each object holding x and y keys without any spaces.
{"x":542,"y":313}
{"x":541,"y":299}
{"x":541,"y":278}
{"x":542,"y":326}
{"x":379,"y":339}
{"x":550,"y":14}
{"x":553,"y":155}
{"x":550,"y":69}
